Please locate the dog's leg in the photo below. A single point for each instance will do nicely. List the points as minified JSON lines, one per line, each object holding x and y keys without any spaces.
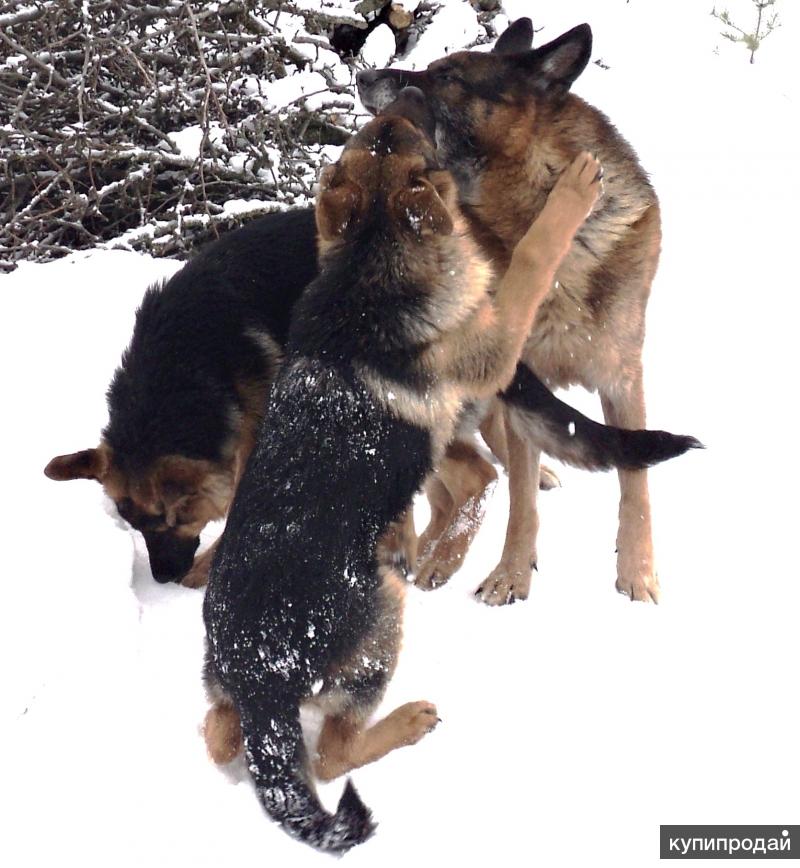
{"x":222,"y":729}
{"x":441,"y":505}
{"x":511,"y":578}
{"x":355,"y":688}
{"x":344,"y":744}
{"x":493,"y":431}
{"x":468,"y":478}
{"x":482,"y":354}
{"x":223,"y":732}
{"x":397,"y":547}
{"x":197,"y":577}
{"x":636,"y":575}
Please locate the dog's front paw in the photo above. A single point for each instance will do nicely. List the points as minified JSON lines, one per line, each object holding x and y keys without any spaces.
{"x":580,"y":186}
{"x":443,"y":562}
{"x":197,"y":577}
{"x":642,"y":586}
{"x":432,"y":574}
{"x":505,"y":584}
{"x":413,"y":721}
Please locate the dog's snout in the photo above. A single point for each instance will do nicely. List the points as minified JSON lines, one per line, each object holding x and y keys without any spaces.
{"x":171,"y":557}
{"x":366,"y":77}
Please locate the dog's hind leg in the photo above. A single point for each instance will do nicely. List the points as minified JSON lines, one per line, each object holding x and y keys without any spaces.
{"x":493,"y":431}
{"x":352,"y":692}
{"x":222,"y":728}
{"x":636,"y":575}
{"x":511,"y":578}
{"x":346,"y":744}
{"x":468,"y":478}
{"x":222,"y":731}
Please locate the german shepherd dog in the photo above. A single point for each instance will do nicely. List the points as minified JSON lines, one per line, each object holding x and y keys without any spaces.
{"x":188,"y":396}
{"x":506,"y":127}
{"x":386,"y":346}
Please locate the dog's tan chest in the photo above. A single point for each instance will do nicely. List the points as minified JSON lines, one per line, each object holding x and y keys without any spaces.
{"x":435,"y":409}
{"x":568,"y":344}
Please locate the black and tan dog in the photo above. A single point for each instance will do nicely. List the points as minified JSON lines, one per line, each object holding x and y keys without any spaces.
{"x":188,"y":397}
{"x":387,"y":345}
{"x":506,"y":127}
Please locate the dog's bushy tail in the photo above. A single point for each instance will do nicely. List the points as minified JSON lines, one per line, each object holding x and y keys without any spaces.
{"x":564,"y":433}
{"x":276,"y":758}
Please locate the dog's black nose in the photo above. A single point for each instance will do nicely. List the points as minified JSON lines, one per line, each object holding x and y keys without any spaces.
{"x":171,"y":557}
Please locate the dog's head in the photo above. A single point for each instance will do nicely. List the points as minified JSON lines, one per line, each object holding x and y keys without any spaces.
{"x":477,"y":99}
{"x":388,"y":171}
{"x":169,"y":503}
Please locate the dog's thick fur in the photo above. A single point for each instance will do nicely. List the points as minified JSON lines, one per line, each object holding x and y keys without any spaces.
{"x":187,"y":399}
{"x":397,"y":333}
{"x":506,"y":127}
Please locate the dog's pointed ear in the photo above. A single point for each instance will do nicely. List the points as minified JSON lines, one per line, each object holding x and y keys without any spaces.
{"x":420,"y":208}
{"x":86,"y":464}
{"x":558,"y":63}
{"x":337,"y":204}
{"x":516,"y":38}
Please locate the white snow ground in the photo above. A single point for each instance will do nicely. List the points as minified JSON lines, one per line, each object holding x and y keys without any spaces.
{"x":573,"y":724}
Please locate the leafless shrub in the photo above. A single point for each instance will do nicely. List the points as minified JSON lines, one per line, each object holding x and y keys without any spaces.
{"x":94,"y":92}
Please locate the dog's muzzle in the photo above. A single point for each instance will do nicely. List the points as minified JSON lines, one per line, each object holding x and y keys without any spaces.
{"x":377,"y":88}
{"x":171,"y":556}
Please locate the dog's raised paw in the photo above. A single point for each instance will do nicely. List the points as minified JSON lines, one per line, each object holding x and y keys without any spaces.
{"x":581,"y":184}
{"x":412,"y":721}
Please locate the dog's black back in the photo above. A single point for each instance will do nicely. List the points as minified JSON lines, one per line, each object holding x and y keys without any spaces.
{"x":206,"y":330}
{"x":294,"y":584}
{"x":330,"y":471}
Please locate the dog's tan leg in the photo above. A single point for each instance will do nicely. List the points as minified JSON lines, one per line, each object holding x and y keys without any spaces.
{"x":441,"y":506}
{"x":493,"y":431}
{"x":354,"y":688}
{"x":511,"y":578}
{"x":468,"y":477}
{"x":636,"y":575}
{"x":397,"y":547}
{"x":223,"y":732}
{"x":197,"y":577}
{"x":344,"y":744}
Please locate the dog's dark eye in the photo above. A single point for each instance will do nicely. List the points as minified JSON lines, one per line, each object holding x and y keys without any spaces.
{"x":450,"y":76}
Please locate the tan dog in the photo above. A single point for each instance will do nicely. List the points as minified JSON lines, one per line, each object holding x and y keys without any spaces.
{"x":507,"y":126}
